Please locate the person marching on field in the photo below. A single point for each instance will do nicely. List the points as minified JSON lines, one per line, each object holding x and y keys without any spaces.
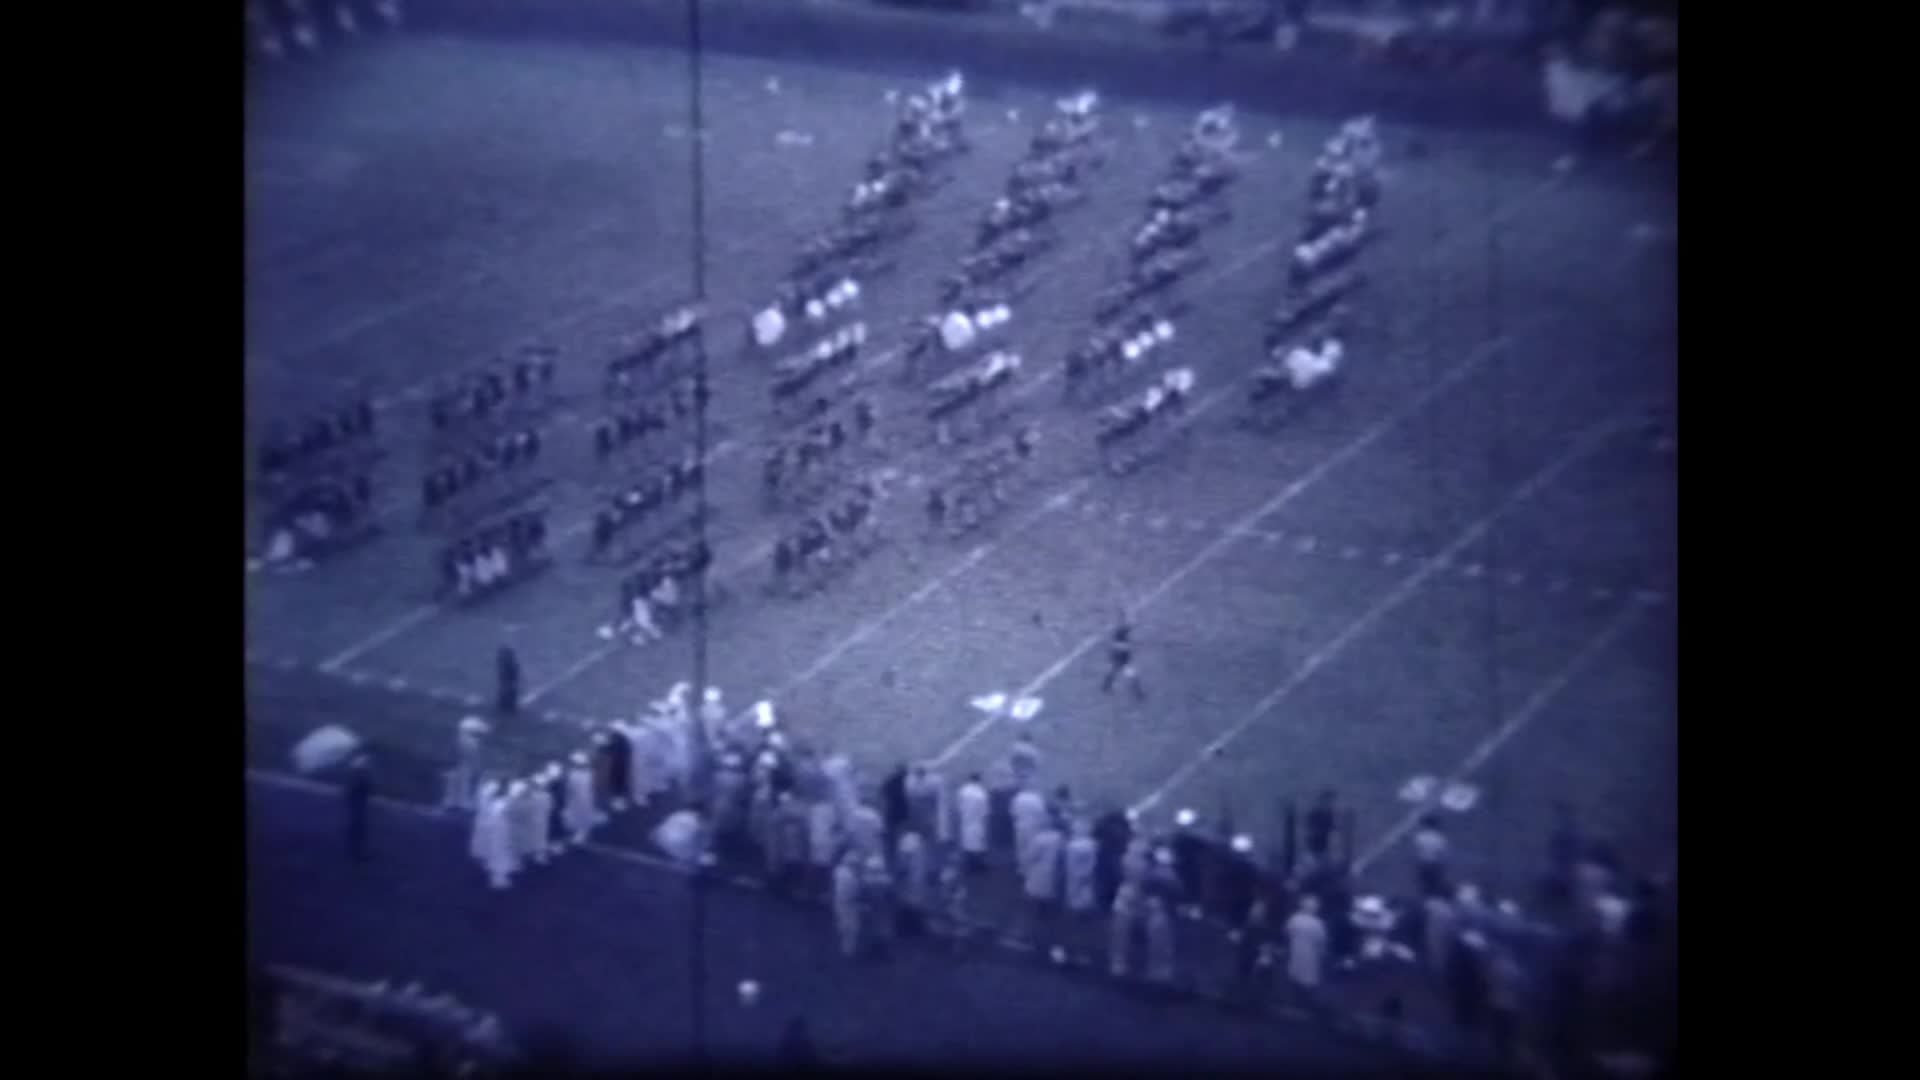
{"x":1120,"y":660}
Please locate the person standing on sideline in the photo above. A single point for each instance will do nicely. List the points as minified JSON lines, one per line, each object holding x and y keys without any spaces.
{"x":1430,"y":851}
{"x":1120,"y":660}
{"x":359,"y":793}
{"x":1306,"y":949}
{"x":479,"y":842}
{"x":1029,"y":812}
{"x":506,"y":670}
{"x":579,"y":812}
{"x":1040,"y":874}
{"x":541,"y":793}
{"x":467,"y":740}
{"x":895,"y":810}
{"x":1082,"y":858}
{"x":915,"y":883}
{"x":970,"y":809}
{"x":846,"y":904}
{"x":493,"y":836}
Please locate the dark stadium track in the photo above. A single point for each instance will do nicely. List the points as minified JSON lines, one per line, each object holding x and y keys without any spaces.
{"x":484,"y":191}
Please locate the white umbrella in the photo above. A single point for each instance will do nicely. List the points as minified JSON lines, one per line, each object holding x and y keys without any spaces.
{"x":325,"y":747}
{"x":679,"y":837}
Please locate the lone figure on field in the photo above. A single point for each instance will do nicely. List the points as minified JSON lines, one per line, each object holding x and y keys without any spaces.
{"x":1120,"y":660}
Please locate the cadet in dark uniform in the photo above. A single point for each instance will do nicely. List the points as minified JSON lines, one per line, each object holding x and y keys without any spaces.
{"x":1120,"y":661}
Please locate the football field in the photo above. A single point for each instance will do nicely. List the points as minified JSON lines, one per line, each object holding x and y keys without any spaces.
{"x":1459,"y":571}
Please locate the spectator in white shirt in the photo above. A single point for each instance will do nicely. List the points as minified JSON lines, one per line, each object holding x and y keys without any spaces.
{"x":1306,"y":947}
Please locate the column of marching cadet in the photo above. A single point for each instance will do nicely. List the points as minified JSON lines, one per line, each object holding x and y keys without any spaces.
{"x":969,"y":405}
{"x":1306,"y":337}
{"x":648,"y":470}
{"x":1135,"y":316}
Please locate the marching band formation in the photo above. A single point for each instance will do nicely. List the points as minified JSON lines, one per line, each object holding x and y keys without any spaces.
{"x":823,"y":468}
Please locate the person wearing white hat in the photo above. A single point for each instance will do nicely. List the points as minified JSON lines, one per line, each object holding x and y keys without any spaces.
{"x":1078,"y":866}
{"x":542,"y":815}
{"x":579,"y":813}
{"x":1307,"y":941}
{"x":493,"y":836}
{"x":971,"y":807}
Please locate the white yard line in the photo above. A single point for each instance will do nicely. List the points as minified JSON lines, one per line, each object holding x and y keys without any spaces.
{"x":1386,"y":605}
{"x":380,"y":637}
{"x":1625,"y":620}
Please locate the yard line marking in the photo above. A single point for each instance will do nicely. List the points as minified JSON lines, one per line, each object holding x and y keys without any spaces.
{"x":572,"y":671}
{"x":1400,"y":594}
{"x":1525,"y":715}
{"x":1212,"y":550}
{"x":380,"y":637}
